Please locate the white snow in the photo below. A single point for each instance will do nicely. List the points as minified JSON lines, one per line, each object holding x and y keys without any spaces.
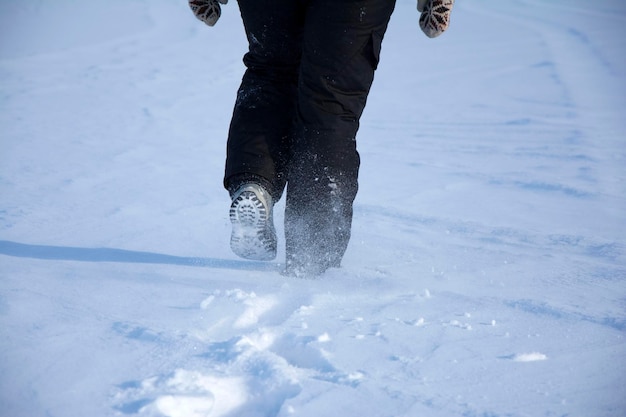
{"x":530,"y":357}
{"x":486,"y":275}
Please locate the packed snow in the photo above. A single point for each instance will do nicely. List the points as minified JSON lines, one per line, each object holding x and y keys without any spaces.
{"x":486,"y":275}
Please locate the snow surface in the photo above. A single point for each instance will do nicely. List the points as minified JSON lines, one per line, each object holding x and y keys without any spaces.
{"x":486,"y":275}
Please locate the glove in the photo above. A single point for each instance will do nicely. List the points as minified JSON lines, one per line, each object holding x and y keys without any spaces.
{"x":207,"y":11}
{"x":435,"y":17}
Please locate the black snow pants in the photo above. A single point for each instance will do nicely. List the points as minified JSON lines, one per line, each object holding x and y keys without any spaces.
{"x":310,"y":67}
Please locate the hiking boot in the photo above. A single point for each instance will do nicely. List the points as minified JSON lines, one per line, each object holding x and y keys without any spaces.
{"x":253,"y":236}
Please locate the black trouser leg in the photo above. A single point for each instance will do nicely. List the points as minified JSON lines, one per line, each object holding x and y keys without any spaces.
{"x":341,"y":46}
{"x":260,"y":130}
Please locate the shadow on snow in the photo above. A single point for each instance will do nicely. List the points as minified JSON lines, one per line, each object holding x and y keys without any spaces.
{"x":67,"y":253}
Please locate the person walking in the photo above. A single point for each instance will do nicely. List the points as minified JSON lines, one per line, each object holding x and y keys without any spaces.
{"x":309,"y":69}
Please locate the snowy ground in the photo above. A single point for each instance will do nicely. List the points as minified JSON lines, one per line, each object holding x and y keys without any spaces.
{"x":487,"y":271}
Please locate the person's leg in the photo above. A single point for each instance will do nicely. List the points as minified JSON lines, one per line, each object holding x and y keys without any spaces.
{"x":260,"y":130}
{"x":341,"y":46}
{"x":259,"y":135}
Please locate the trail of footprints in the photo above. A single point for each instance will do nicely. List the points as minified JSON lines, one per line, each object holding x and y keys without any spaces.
{"x":248,"y":354}
{"x":248,"y":360}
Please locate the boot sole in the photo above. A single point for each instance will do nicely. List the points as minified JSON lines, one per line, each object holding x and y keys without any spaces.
{"x":253,"y":236}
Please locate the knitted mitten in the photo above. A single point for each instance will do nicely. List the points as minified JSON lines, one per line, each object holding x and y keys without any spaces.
{"x":435,"y":17}
{"x":207,"y":11}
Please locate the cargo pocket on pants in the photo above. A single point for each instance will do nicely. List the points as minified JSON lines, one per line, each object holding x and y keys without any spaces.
{"x":373,"y":49}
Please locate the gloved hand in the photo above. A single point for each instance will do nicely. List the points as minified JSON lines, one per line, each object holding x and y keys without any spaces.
{"x":207,"y":11}
{"x":435,"y":17}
